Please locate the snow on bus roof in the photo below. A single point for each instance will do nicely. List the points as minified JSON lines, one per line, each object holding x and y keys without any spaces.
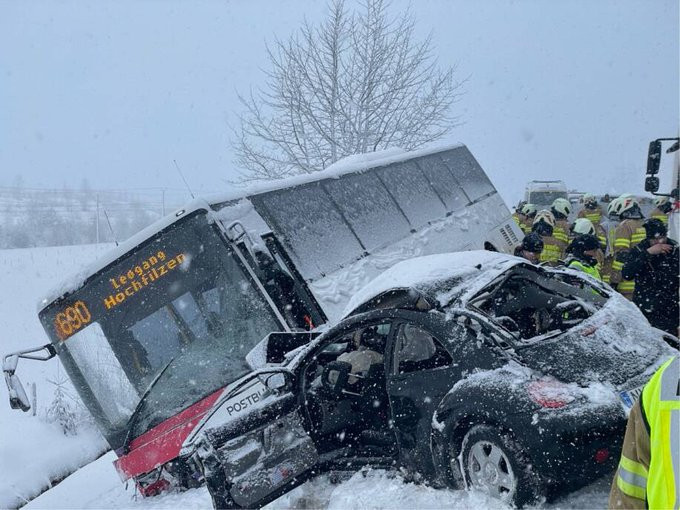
{"x":358,"y":162}
{"x":349,"y":164}
{"x":424,"y":273}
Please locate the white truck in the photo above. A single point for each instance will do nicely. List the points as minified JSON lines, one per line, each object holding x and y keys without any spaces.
{"x":543,"y":193}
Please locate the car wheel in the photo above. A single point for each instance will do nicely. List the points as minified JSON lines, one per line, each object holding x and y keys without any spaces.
{"x":495,"y":463}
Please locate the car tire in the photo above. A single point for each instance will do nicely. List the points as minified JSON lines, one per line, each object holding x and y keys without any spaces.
{"x":495,"y":463}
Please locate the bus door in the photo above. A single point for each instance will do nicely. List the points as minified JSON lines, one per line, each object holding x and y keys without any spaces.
{"x":278,"y":277}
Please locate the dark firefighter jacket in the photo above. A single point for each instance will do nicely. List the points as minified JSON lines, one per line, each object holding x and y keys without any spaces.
{"x":656,"y":284}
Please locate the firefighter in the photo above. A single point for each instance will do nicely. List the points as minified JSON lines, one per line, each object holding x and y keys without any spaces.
{"x":583,"y":255}
{"x":654,"y":265}
{"x":518,"y":215}
{"x":649,"y":470}
{"x":531,"y":248}
{"x":628,"y":234}
{"x":553,"y":248}
{"x":663,"y":207}
{"x":584,"y":226}
{"x":561,"y":209}
{"x":591,"y":210}
{"x":529,"y":211}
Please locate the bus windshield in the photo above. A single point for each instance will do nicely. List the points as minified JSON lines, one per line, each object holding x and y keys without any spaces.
{"x":181,"y":300}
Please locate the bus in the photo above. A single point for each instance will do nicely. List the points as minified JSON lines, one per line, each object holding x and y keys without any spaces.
{"x":155,"y":334}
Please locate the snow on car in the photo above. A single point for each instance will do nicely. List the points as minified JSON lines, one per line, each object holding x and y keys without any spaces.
{"x":470,"y":369}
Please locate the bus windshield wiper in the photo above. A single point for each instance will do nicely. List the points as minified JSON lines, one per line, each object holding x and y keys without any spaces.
{"x":135,"y":414}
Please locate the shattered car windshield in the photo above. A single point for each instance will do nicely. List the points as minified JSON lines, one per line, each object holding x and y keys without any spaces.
{"x":182,"y":297}
{"x":531,"y":303}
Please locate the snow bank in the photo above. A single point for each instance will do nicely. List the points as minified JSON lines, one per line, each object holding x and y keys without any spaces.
{"x":32,"y":452}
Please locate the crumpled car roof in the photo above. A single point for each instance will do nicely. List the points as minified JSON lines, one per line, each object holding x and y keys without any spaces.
{"x":443,"y":277}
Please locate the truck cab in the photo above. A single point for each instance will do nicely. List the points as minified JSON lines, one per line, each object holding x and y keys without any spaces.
{"x":543,"y":193}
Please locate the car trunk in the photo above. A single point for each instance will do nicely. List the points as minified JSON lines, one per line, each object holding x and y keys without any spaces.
{"x":615,"y":345}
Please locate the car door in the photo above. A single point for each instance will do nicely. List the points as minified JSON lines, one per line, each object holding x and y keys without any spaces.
{"x":421,"y":372}
{"x":250,"y":460}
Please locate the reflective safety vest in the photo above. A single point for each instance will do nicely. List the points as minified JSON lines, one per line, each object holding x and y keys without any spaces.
{"x":659,"y":215}
{"x":580,"y":266}
{"x":659,"y":482}
{"x":518,"y":220}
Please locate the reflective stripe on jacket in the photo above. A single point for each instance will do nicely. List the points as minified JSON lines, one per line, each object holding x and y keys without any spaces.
{"x":649,"y":469}
{"x":553,"y":250}
{"x":594,"y":215}
{"x":627,"y":236}
{"x":561,"y":231}
{"x":659,"y":215}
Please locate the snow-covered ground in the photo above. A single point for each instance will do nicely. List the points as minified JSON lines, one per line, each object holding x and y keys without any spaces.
{"x":98,"y":486}
{"x":33,"y":452}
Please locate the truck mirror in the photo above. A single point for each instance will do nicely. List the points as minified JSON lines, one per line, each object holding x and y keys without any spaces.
{"x":652,"y":184}
{"x":653,"y":158}
{"x":17,"y":395}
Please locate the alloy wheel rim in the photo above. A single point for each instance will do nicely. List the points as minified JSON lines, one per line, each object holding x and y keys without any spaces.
{"x":489,"y":470}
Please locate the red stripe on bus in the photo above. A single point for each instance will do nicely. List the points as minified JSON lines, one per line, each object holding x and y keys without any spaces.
{"x":163,"y":442}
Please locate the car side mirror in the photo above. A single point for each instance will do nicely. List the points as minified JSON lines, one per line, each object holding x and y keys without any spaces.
{"x":653,"y":158}
{"x":276,"y":382}
{"x":652,"y":183}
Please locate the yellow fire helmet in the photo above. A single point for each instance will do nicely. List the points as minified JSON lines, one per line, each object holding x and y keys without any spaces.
{"x":545,"y":216}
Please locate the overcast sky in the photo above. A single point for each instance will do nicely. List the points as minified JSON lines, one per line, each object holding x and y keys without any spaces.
{"x":114,"y":91}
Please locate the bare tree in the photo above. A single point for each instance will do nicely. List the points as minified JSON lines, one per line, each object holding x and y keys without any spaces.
{"x":358,"y":82}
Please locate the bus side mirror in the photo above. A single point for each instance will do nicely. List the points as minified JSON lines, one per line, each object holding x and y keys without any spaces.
{"x":652,"y":184}
{"x":9,"y":364}
{"x":653,"y":158}
{"x":17,"y":395}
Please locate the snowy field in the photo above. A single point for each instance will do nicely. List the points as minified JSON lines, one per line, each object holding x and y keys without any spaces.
{"x":33,"y":452}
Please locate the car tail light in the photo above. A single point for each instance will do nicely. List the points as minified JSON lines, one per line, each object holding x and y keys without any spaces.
{"x":601,"y":455}
{"x":550,"y":394}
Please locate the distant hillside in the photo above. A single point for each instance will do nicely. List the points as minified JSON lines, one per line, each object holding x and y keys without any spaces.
{"x":49,"y":217}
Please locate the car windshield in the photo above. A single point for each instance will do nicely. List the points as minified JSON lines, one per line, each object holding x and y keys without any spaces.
{"x":181,"y":301}
{"x":531,"y":303}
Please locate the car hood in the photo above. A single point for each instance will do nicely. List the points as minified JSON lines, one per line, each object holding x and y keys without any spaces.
{"x":615,"y":345}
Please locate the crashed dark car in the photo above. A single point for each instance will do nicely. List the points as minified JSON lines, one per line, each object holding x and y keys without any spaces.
{"x":472,"y":370}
